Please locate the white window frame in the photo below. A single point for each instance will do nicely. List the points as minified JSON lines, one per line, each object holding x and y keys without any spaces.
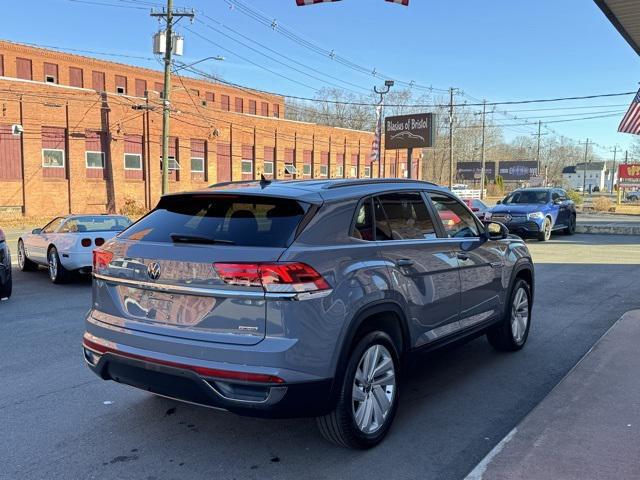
{"x":304,"y":168}
{"x":123,"y":92}
{"x":244,"y":162}
{"x":52,"y":77}
{"x":174,"y":168}
{"x":367,"y":172}
{"x":340,"y":171}
{"x":86,"y":159}
{"x":353,"y":171}
{"x":324,"y":170}
{"x":197,"y":158}
{"x":64,"y":160}
{"x":264,"y":168}
{"x":290,"y":169}
{"x":124,"y":159}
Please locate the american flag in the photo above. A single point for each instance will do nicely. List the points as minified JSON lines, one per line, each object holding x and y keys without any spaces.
{"x":301,"y":3}
{"x":631,"y":121}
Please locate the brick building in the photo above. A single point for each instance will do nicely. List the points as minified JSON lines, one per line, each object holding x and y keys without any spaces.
{"x":85,"y":146}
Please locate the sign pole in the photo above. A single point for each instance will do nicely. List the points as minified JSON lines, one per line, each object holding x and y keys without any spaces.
{"x":409,"y":161}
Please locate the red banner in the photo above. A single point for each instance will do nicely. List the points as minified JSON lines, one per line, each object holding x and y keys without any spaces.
{"x":628,"y":171}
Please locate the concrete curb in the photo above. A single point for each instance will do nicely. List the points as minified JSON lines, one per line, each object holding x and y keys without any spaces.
{"x":608,"y":229}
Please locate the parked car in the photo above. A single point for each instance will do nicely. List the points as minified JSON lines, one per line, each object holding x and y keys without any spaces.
{"x":5,"y":268}
{"x":633,"y":196}
{"x":477,"y":206}
{"x":302,"y":298}
{"x":535,"y":212}
{"x":64,"y":245}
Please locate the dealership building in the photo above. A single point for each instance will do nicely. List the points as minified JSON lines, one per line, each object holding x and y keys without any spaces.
{"x":80,"y":135}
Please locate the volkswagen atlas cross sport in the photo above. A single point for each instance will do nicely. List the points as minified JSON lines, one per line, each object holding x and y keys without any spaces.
{"x":301,"y":298}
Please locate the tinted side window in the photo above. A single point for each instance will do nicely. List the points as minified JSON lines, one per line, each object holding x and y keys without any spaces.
{"x":457,"y":220}
{"x":52,"y":226}
{"x":406,"y":217}
{"x":363,"y":226}
{"x":555,"y":195}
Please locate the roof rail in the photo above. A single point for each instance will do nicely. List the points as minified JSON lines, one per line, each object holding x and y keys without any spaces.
{"x":369,"y":181}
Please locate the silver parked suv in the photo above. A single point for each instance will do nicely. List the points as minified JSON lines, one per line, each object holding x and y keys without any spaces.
{"x":301,"y":298}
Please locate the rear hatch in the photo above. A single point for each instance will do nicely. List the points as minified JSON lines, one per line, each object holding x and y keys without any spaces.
{"x":159,"y":276}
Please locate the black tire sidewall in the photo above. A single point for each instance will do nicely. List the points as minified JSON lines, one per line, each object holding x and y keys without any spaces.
{"x":359,"y":438}
{"x":516,"y":286}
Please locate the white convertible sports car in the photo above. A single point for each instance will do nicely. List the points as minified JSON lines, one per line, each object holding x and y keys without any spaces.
{"x":65,"y":244}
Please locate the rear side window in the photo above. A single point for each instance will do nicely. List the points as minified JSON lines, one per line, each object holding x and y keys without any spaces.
{"x":243,"y":220}
{"x":457,"y":220}
{"x":405,"y":215}
{"x":363,"y":226}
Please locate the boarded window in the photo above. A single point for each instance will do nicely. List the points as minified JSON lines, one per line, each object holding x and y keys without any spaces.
{"x":307,"y":160}
{"x":1,"y":65}
{"x":247,"y":162}
{"x":225,"y":102}
{"x":95,"y":151}
{"x":158,"y":87}
{"x":223,"y":162}
{"x":252,"y":107}
{"x":54,"y":152}
{"x":340,"y":165}
{"x":141,"y":87}
{"x":50,"y":72}
{"x":97,"y":81}
{"x":210,"y":97}
{"x":264,"y":109}
{"x":239,"y":105}
{"x":75,"y":77}
{"x":198,"y":160}
{"x":23,"y":68}
{"x":353,"y":170}
{"x":10,"y":154}
{"x":269,"y":157}
{"x":133,"y":169}
{"x":324,"y":164}
{"x":121,"y":84}
{"x":276,"y":110}
{"x":174,"y":159}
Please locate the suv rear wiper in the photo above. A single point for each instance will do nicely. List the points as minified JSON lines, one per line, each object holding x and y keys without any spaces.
{"x":182,"y":238}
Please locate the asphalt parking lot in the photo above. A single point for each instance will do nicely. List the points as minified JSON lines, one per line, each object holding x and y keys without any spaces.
{"x":60,"y":421}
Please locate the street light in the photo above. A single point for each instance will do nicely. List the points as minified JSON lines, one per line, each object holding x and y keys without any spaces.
{"x":387,"y":86}
{"x":218,"y":58}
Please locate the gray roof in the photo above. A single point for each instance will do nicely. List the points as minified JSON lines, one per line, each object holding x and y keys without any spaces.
{"x":625,"y":16}
{"x":591,"y":167}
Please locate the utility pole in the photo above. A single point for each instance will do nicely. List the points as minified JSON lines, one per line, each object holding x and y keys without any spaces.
{"x":451,"y":93}
{"x":168,"y":15}
{"x":584,"y":169}
{"x":379,"y":111}
{"x":613,"y":170}
{"x":482,"y":160}
{"x":539,"y":135}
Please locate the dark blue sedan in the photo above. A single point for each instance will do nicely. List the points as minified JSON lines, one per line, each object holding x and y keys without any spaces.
{"x":535,"y":212}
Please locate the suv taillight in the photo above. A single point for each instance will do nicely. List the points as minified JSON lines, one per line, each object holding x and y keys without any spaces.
{"x":101,"y":260}
{"x":273,"y":277}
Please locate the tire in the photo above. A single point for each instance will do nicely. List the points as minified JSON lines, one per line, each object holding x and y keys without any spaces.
{"x":24,"y":263}
{"x":512,"y":332}
{"x":571,"y":229}
{"x":57,"y":273}
{"x":340,"y":426}
{"x":545,"y":233}
{"x":633,"y":198}
{"x":5,"y":290}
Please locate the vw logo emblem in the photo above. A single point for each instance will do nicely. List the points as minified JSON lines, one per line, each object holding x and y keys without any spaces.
{"x":153,"y":270}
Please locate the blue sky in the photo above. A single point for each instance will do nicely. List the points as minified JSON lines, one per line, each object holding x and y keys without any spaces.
{"x":498,"y":50}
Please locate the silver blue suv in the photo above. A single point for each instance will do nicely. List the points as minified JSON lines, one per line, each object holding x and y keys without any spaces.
{"x":302,"y":298}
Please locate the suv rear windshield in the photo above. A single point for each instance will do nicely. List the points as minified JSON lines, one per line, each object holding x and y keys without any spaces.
{"x":244,"y":220}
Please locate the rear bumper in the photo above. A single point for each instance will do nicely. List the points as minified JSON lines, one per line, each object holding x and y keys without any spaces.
{"x":77,"y":260}
{"x":180,"y":382}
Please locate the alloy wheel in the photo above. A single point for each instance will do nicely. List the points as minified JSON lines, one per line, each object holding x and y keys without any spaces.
{"x":519,"y":315}
{"x":21,"y":255}
{"x":374,"y":389}
{"x":53,"y":265}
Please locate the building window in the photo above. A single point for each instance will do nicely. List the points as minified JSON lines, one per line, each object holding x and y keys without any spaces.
{"x":239,"y":105}
{"x":306,"y":169}
{"x":173,"y":164}
{"x":52,"y":158}
{"x":264,"y":109}
{"x":340,"y":171}
{"x":268,"y":168}
{"x":50,"y":72}
{"x":132,"y":161}
{"x":276,"y":110}
{"x":354,"y":171}
{"x":94,"y":159}
{"x":367,"y":172}
{"x":197,"y":164}
{"x":141,"y":87}
{"x":97,"y":81}
{"x":210,"y":97}
{"x":23,"y":68}
{"x":324,"y":170}
{"x":158,"y":87}
{"x":121,"y":84}
{"x":225,"y":102}
{"x":1,"y":65}
{"x":247,"y":166}
{"x":253,"y":107}
{"x":75,"y":77}
{"x":289,"y":169}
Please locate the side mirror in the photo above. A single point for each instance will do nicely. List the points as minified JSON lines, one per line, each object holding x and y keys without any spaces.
{"x":498,"y":202}
{"x":36,"y":231}
{"x":496,"y":230}
{"x":558,"y":201}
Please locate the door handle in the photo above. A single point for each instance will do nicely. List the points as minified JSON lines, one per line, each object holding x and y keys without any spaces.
{"x":404,"y":262}
{"x":462,"y":256}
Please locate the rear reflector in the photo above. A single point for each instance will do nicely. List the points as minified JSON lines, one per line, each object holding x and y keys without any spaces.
{"x":273,"y":277}
{"x":85,"y":242}
{"x":101,"y":260}
{"x":204,"y":371}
